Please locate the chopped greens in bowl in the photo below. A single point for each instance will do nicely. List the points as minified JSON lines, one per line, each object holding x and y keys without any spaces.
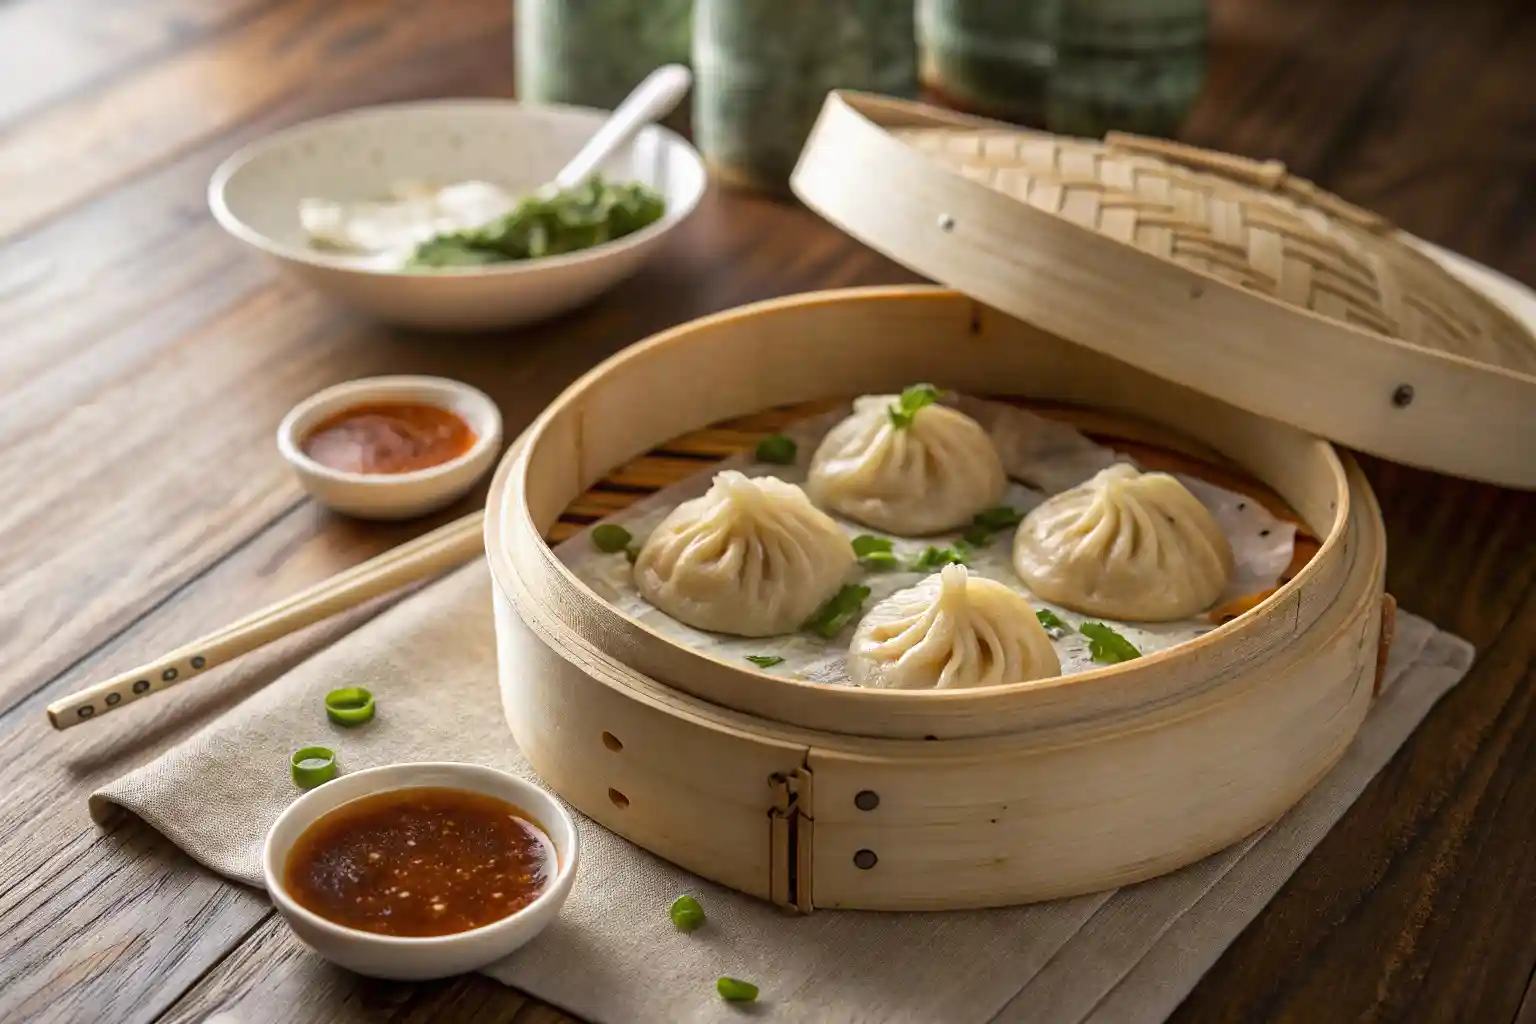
{"x":547,"y":224}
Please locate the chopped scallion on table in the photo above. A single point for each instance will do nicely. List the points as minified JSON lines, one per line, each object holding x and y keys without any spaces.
{"x":312,"y":766}
{"x":686,"y":913}
{"x":349,"y":706}
{"x":765,"y":660}
{"x":1105,"y":645}
{"x":778,"y":449}
{"x":734,"y":990}
{"x":611,"y":537}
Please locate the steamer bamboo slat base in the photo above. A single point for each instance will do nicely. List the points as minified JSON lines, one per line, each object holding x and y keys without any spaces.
{"x":815,"y":796}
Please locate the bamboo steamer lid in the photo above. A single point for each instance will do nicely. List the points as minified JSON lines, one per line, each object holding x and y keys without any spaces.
{"x":1226,"y":275}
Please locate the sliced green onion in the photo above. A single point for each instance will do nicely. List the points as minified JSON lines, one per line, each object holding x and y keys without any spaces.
{"x":632,"y":552}
{"x":546,"y":224}
{"x":734,"y":990}
{"x":999,"y":518}
{"x":869,"y":544}
{"x":1105,"y":645}
{"x":312,"y":766}
{"x":912,"y":399}
{"x":874,"y":553}
{"x":349,"y":706}
{"x":935,"y":558}
{"x":991,"y":521}
{"x":686,"y":913}
{"x":777,"y":448}
{"x":977,"y":536}
{"x":838,"y":611}
{"x":611,"y":537}
{"x":765,"y":660}
{"x":881,"y":561}
{"x":1053,"y":623}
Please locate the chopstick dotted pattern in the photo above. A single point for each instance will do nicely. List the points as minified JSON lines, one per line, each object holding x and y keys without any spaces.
{"x":142,"y":686}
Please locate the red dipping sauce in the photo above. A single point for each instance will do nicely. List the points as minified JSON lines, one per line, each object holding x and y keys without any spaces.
{"x":389,"y":437}
{"x":421,"y":861}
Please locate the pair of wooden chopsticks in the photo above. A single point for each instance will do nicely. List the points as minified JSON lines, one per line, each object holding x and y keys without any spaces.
{"x":427,"y":555}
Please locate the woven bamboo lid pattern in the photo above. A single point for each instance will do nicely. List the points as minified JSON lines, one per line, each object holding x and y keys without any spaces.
{"x":1250,"y":224}
{"x":1261,"y":288}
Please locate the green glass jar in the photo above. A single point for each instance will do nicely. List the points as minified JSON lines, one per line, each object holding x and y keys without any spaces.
{"x":1131,"y":65}
{"x":989,"y":57}
{"x":593,"y":52}
{"x":763,"y":68}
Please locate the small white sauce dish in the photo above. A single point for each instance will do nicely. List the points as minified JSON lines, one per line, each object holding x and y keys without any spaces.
{"x":418,"y":959}
{"x":393,"y":495}
{"x":362,"y":154}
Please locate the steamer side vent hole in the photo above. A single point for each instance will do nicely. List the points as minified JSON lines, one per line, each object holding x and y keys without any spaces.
{"x":615,"y":797}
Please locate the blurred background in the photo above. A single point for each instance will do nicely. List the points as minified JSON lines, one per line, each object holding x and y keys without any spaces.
{"x":763,"y":67}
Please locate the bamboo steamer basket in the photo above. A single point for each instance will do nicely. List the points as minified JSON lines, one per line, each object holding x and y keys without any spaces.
{"x":823,"y":796}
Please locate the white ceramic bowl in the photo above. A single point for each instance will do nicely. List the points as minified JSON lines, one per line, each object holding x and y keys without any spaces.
{"x":357,"y":155}
{"x":417,"y":959}
{"x":393,"y":495}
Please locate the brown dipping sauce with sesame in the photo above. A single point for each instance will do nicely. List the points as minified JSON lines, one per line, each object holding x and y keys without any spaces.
{"x":419,"y":862}
{"x":389,"y":437}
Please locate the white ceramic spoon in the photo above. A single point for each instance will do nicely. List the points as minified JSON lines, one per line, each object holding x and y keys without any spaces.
{"x":651,"y":100}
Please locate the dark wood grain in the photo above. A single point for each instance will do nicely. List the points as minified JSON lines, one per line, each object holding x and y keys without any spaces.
{"x":145,"y":359}
{"x":273,"y":979}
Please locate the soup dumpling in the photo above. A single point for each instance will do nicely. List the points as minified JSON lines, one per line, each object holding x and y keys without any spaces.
{"x":751,"y":557}
{"x":910,"y":474}
{"x":950,"y":631}
{"x":1125,"y":545}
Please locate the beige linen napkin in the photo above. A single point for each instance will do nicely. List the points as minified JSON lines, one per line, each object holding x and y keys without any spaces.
{"x":1125,"y":956}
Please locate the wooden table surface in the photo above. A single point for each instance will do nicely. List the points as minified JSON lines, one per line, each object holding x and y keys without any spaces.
{"x":145,"y":359}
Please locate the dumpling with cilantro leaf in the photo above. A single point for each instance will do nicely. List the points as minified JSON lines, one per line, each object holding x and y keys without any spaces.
{"x":1127,"y":545}
{"x":951,"y":631}
{"x":907,"y":465}
{"x":751,"y":557}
